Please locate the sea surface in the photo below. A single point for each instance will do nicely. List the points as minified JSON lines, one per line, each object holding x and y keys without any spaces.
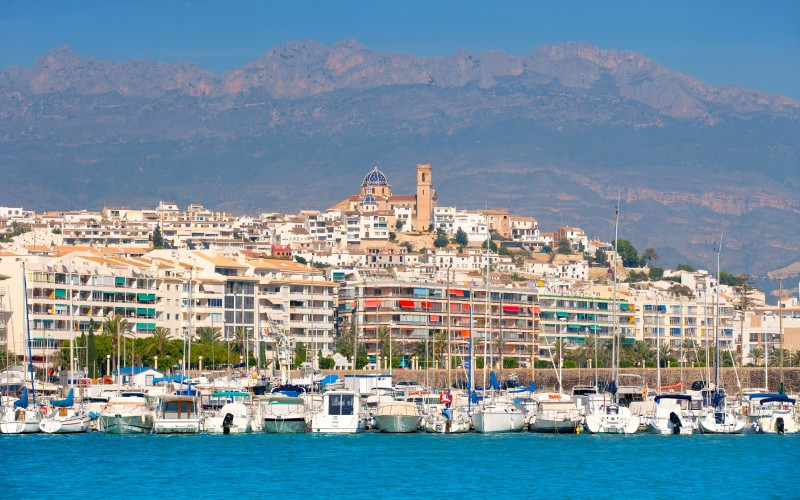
{"x":373,"y":465}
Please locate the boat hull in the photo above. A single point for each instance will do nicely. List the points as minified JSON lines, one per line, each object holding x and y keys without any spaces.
{"x":722,"y":425}
{"x":489,"y":421}
{"x":771,"y":424}
{"x":285,"y":426}
{"x":66,"y":426}
{"x":174,"y":426}
{"x":397,"y":423}
{"x":20,"y":421}
{"x":555,"y":426}
{"x":126,"y":424}
{"x":239,"y":425}
{"x":602,"y":424}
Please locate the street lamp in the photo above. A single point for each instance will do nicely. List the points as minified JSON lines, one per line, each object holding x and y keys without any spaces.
{"x":155,"y":360}
{"x":200,"y":363}
{"x":108,"y":364}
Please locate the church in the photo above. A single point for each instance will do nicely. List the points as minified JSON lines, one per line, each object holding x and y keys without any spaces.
{"x":376,"y":197}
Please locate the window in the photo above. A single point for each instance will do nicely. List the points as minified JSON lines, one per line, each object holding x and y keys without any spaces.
{"x":340,"y":404}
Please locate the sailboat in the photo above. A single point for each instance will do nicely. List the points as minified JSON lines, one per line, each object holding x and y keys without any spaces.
{"x":609,"y":416}
{"x":24,"y":417}
{"x":719,"y":420}
{"x":496,"y":415}
{"x":65,"y":417}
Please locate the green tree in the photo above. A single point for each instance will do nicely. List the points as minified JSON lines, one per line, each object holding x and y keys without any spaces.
{"x":300,"y":260}
{"x":441,"y":241}
{"x":158,"y":238}
{"x":730,"y":279}
{"x":685,"y":267}
{"x":642,"y":352}
{"x":510,"y":363}
{"x":492,"y":246}
{"x":208,"y":334}
{"x":655,"y":273}
{"x":462,"y":238}
{"x":600,"y":257}
{"x":398,"y":225}
{"x":392,"y":236}
{"x":649,"y":255}
{"x":564,"y":246}
{"x":756,"y":354}
{"x":628,"y":253}
{"x":679,"y":290}
{"x":300,"y":354}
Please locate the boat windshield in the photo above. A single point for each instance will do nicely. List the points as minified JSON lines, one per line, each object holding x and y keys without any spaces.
{"x":340,"y":404}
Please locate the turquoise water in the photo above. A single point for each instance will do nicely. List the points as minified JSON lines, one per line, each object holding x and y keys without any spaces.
{"x":372,"y":465}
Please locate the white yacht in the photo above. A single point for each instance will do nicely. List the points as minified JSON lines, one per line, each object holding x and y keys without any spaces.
{"x":454,"y":420}
{"x":178,"y":414}
{"x":556,"y":413}
{"x":782,"y":417}
{"x":671,"y":415}
{"x":128,"y":413}
{"x":284,"y":414}
{"x":341,"y":412}
{"x":397,"y":417}
{"x":498,"y":416}
{"x":720,"y":421}
{"x":234,"y":417}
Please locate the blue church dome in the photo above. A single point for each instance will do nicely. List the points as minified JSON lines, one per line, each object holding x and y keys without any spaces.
{"x":375,"y":178}
{"x":368,"y":199}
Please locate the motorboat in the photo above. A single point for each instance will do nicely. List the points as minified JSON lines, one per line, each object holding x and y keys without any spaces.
{"x":556,"y":413}
{"x":498,"y":416}
{"x":670,"y":415}
{"x":65,"y":417}
{"x":234,"y":417}
{"x":397,"y":417}
{"x":178,"y":414}
{"x":128,"y":413}
{"x":341,"y":412}
{"x":284,"y":414}
{"x":454,"y":420}
{"x":371,"y":407}
{"x":782,"y":418}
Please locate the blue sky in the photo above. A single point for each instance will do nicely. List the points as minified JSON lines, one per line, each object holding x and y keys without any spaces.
{"x":753,"y":44}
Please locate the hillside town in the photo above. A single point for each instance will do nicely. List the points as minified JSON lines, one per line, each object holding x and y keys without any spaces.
{"x":385,"y":268}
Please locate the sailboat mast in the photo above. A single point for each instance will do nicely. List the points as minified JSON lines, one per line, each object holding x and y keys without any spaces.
{"x":71,"y":329}
{"x":782,"y":388}
{"x":471,"y":351}
{"x":614,"y":347}
{"x":716,"y":321}
{"x":28,"y":328}
{"x":449,"y":350}
{"x":487,"y":328}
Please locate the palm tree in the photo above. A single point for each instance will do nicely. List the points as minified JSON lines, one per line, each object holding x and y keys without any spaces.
{"x":240,"y":339}
{"x":689,"y":351}
{"x":649,"y":255}
{"x":207,"y":334}
{"x":642,"y":352}
{"x":796,"y":358}
{"x":160,"y":340}
{"x":756,"y":354}
{"x":775,"y":356}
{"x":587,"y":350}
{"x":116,"y":326}
{"x":666,"y":354}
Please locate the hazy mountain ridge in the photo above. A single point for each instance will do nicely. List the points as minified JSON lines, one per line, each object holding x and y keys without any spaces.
{"x":554,"y":133}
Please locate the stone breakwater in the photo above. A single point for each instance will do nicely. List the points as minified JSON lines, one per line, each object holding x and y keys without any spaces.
{"x":748,"y":377}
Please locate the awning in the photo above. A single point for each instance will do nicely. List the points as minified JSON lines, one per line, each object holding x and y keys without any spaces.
{"x":465,"y":307}
{"x":465,"y":334}
{"x":151,"y":296}
{"x":426,"y":304}
{"x":372,"y":304}
{"x":511,"y":309}
{"x":573,"y":325}
{"x":151,"y":312}
{"x":537,"y":310}
{"x":594,"y":327}
{"x":142,"y":296}
{"x":141,"y":310}
{"x":119,"y":280}
{"x":60,"y":293}
{"x":561,"y":314}
{"x":434,"y":318}
{"x":408,"y":304}
{"x":420,"y":292}
{"x":458,"y":293}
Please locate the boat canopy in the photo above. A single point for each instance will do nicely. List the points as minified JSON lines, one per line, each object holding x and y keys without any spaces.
{"x":329,"y":379}
{"x":22,"y":402}
{"x":684,"y":397}
{"x":231,"y":394}
{"x":778,"y":399}
{"x":762,"y":395}
{"x":66,"y":402}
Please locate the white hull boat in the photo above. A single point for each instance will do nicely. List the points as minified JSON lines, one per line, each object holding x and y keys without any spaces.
{"x":127,"y":414}
{"x":720,"y":422}
{"x":611,"y":419}
{"x":284,"y":415}
{"x":669,"y":417}
{"x":178,"y":415}
{"x":232,"y":418}
{"x":397,"y":417}
{"x":65,"y":421}
{"x":557,"y":415}
{"x":20,"y":421}
{"x":341,"y":413}
{"x":454,"y":421}
{"x":498,"y":417}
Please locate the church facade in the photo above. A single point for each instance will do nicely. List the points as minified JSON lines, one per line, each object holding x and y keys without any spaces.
{"x":376,"y":198}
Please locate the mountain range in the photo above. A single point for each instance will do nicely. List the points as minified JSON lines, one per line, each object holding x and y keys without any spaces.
{"x":558,"y":133}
